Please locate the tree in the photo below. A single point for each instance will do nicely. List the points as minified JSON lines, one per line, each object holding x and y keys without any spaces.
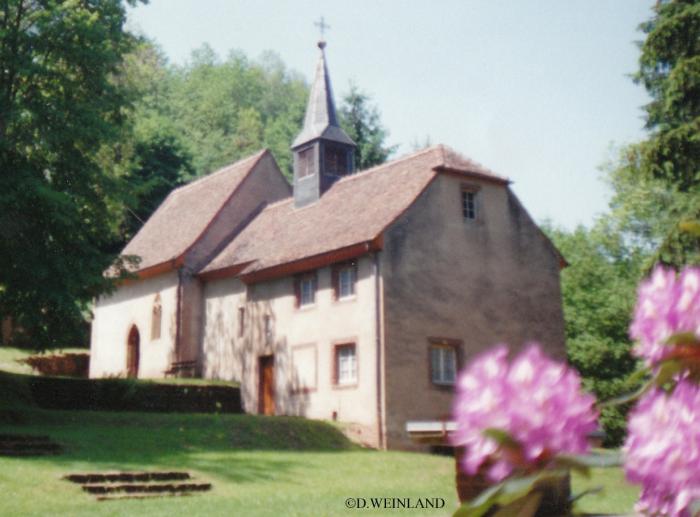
{"x":224,"y":111}
{"x":58,"y":107}
{"x":360,"y":120}
{"x":598,"y":293}
{"x":152,"y":157}
{"x":657,"y":181}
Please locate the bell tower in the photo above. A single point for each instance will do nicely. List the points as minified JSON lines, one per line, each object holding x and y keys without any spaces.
{"x":323,"y":152}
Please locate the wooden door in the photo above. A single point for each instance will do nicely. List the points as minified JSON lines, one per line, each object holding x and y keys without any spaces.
{"x":132,"y":352}
{"x":266,"y":389}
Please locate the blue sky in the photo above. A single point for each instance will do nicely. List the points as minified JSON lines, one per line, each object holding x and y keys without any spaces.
{"x":538,"y":91}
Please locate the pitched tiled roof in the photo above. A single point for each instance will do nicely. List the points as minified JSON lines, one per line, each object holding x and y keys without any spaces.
{"x":355,"y":210}
{"x":184,"y":215}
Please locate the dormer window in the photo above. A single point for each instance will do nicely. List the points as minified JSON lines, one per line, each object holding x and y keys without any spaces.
{"x":336,"y":161}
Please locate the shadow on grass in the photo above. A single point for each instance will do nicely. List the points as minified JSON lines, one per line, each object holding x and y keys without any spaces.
{"x":216,"y":445}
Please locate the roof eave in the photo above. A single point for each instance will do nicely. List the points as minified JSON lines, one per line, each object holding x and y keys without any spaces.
{"x":153,"y":271}
{"x":224,"y":272}
{"x":314,"y":262}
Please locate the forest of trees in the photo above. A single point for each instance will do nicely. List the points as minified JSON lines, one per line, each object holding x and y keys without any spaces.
{"x":653,"y":216}
{"x":96,"y":131}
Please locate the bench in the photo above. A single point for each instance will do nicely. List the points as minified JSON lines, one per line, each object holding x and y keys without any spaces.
{"x":181,"y":367}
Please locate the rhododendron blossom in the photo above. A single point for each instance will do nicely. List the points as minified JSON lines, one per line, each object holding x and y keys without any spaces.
{"x":662,"y":450}
{"x":667,"y":304}
{"x":536,"y":400}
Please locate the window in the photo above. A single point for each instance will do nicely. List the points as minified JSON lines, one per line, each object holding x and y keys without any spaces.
{"x":345,"y":365}
{"x":305,"y":287}
{"x":336,"y":161}
{"x":469,"y":204}
{"x":241,"y":321}
{"x":156,"y":319}
{"x":305,"y":161}
{"x":344,"y":278}
{"x":443,"y":364}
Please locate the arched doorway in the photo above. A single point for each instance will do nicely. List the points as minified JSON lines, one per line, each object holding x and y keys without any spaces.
{"x":132,"y":352}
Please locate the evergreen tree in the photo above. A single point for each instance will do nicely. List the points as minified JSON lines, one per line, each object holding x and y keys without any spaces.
{"x":657,"y":182}
{"x":360,"y":120}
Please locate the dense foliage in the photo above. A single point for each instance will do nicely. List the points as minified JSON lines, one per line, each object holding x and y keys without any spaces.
{"x":657,"y":182}
{"x":656,"y":192}
{"x":59,"y":106}
{"x":360,"y":120}
{"x":598,"y":293}
{"x":97,"y":130}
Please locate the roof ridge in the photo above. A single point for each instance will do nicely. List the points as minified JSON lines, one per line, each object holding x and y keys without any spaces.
{"x":219,"y":171}
{"x":363,"y":173}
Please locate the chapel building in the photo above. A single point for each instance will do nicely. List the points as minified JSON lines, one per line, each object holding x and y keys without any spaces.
{"x":350,"y":295}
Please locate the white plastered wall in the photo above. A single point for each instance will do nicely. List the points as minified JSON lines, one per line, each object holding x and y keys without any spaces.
{"x":114,"y":315}
{"x":300,"y":333}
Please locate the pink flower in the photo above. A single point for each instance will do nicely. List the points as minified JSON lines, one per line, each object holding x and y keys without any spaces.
{"x":536,"y":400}
{"x":662,"y":450}
{"x":666,"y":305}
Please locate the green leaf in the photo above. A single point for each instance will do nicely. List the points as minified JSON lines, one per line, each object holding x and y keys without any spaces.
{"x":526,"y":506}
{"x":575,"y":463}
{"x":593,"y":490}
{"x":480,"y":504}
{"x":629,"y":397}
{"x":667,"y":371}
{"x":638,"y":375}
{"x":501,"y":437}
{"x":683,"y":338}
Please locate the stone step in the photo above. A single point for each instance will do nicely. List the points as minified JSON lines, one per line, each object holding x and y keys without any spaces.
{"x":24,"y":437}
{"x":118,"y":497}
{"x":125,"y":477}
{"x":146,"y":488}
{"x":29,"y":452}
{"x":23,"y":446}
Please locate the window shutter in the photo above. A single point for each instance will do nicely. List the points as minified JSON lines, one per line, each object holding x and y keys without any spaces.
{"x":335,"y":280}
{"x":354,"y":277}
{"x":297,"y":292}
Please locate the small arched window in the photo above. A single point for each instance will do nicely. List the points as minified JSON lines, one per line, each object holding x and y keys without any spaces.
{"x":156,"y":318}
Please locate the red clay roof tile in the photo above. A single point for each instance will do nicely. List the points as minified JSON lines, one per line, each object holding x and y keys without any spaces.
{"x":182,"y":217}
{"x":355,"y":209}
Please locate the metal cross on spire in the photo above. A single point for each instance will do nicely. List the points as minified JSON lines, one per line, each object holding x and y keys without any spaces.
{"x":322,"y":26}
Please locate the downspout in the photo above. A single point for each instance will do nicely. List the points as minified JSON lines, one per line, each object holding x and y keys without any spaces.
{"x":378,"y":342}
{"x":178,"y":315}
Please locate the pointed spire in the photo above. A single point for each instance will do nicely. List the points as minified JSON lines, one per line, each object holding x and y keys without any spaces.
{"x":321,"y":120}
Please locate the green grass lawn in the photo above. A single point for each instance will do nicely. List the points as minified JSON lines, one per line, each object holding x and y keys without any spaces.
{"x":258,"y":466}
